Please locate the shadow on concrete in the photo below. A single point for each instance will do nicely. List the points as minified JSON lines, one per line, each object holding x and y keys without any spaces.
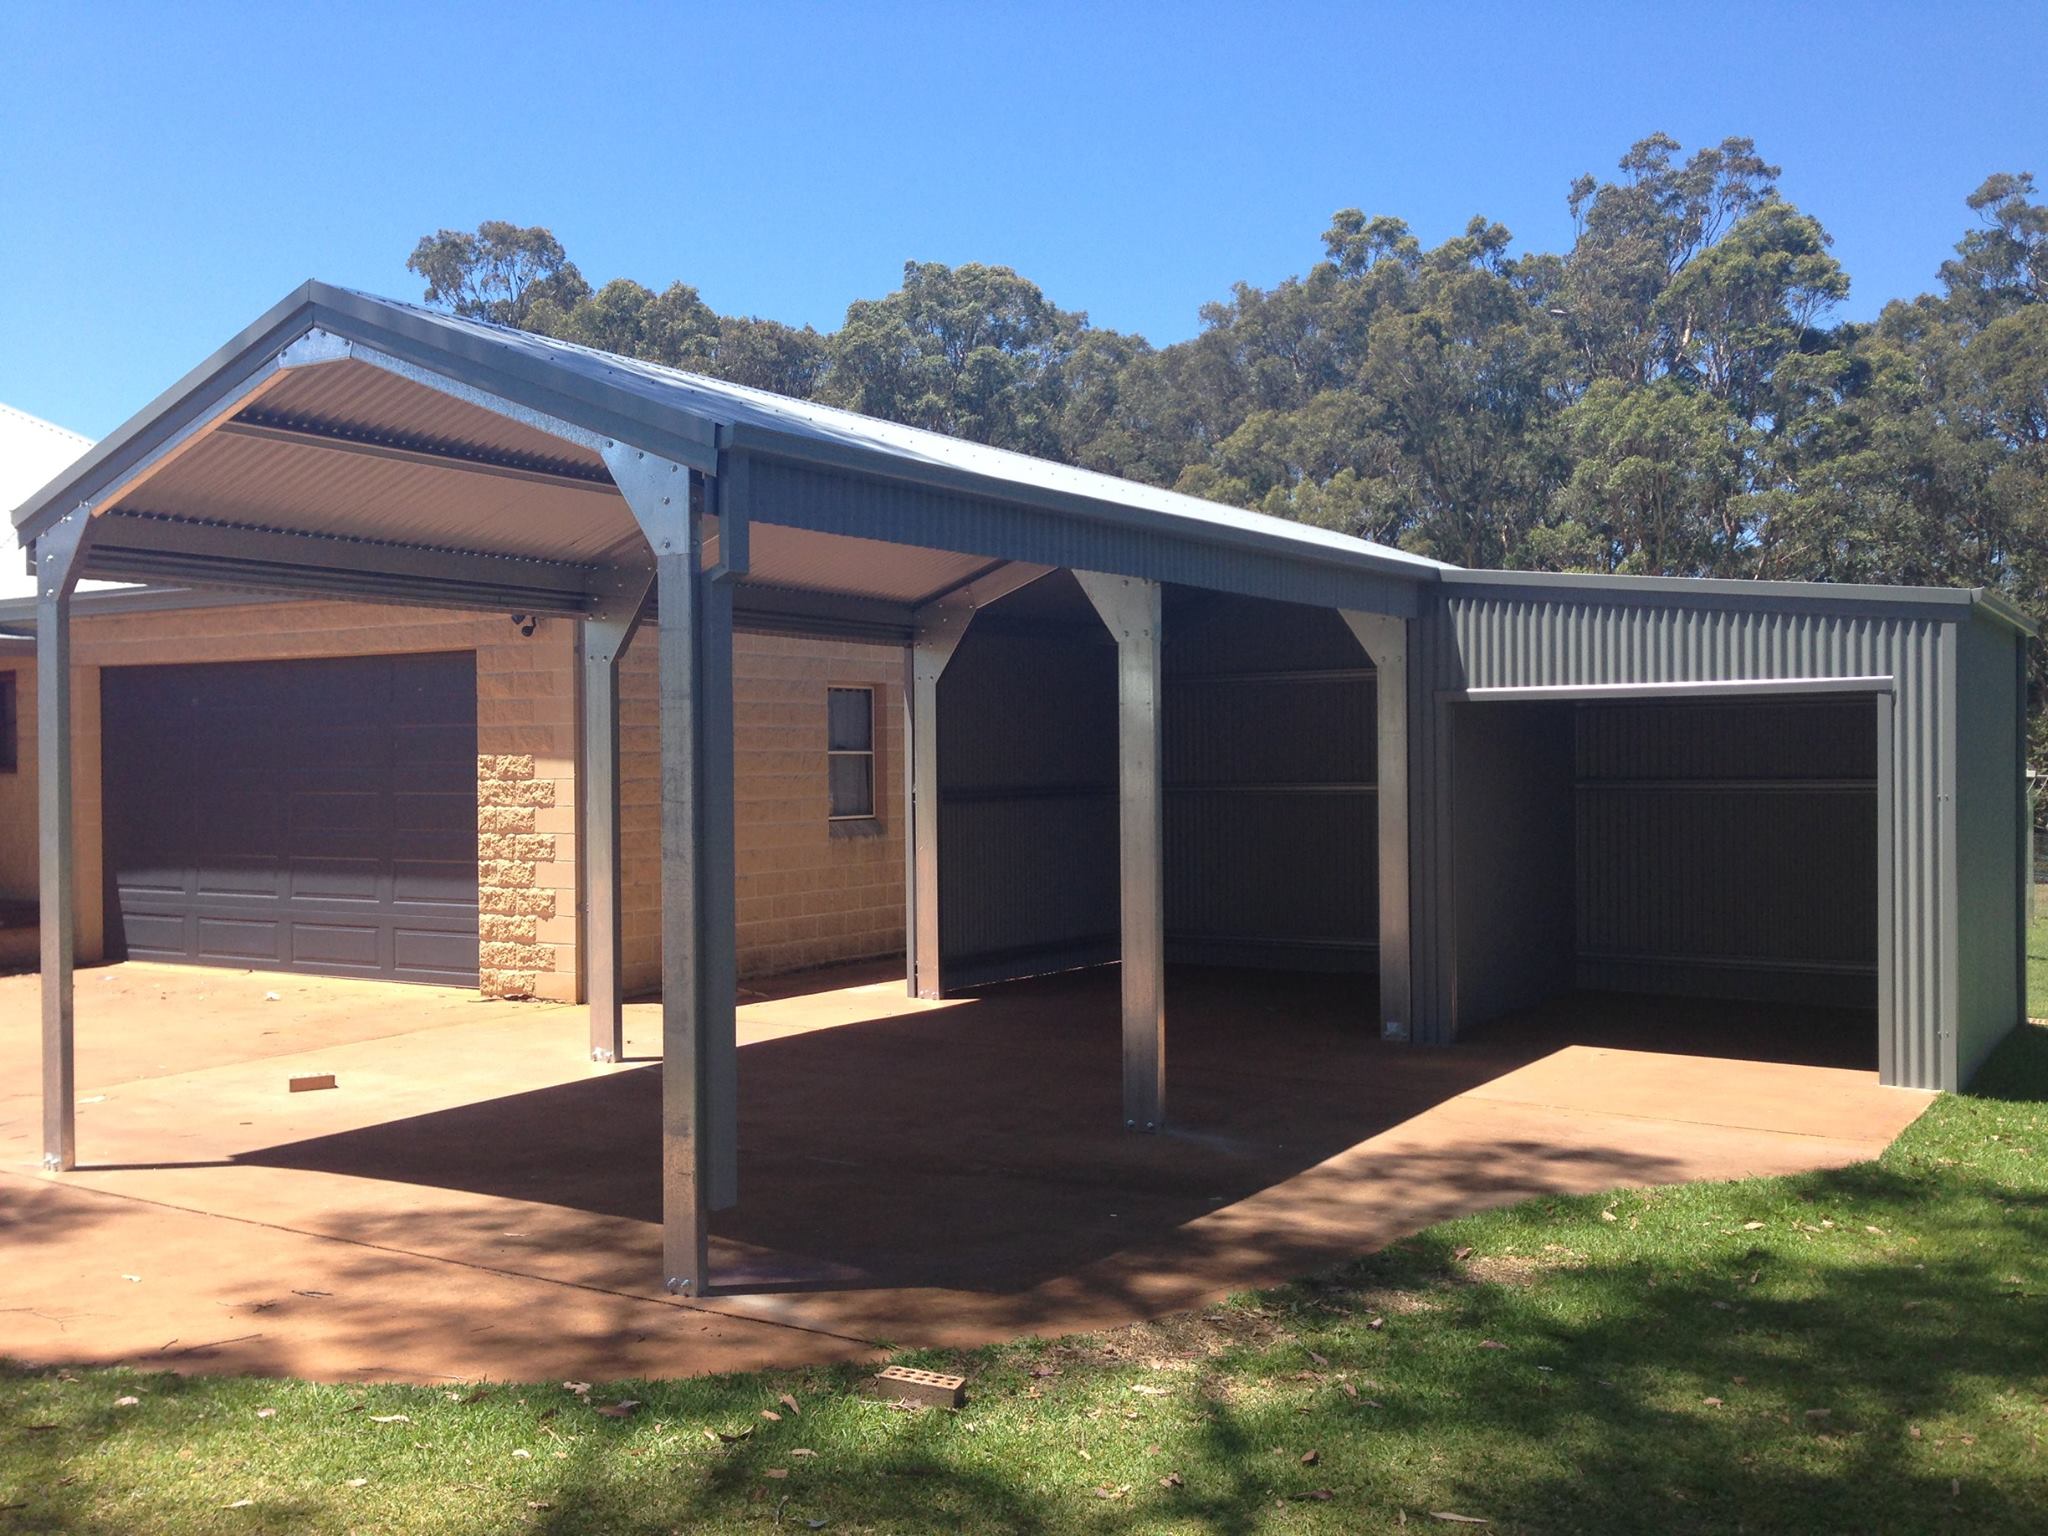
{"x":979,"y":1148}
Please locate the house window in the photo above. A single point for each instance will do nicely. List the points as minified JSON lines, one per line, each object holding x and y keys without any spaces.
{"x":850,"y":752}
{"x":10,"y":726}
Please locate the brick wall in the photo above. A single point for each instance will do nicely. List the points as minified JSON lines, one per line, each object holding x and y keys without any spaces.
{"x":526,"y":725}
{"x":806,"y":896}
{"x":18,"y":810}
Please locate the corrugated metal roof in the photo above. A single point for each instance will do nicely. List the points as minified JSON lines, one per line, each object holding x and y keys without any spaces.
{"x":735,"y":405}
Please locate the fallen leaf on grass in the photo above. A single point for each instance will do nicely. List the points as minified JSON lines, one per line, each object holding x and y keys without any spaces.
{"x":1173,"y":1480}
{"x":1321,"y":1361}
{"x":771,"y":1415}
{"x":1376,"y":1323}
{"x":800,"y":1451}
{"x":1752,"y":1226}
{"x":624,"y":1408}
{"x":1491,"y":1344}
{"x":390,"y":1418}
{"x":126,"y":1402}
{"x":776,"y":1472}
{"x":1310,"y":1458}
{"x":357,"y":1482}
{"x":1459,"y":1255}
{"x":266,"y":1413}
{"x":580,"y":1388}
{"x":1315,"y":1495}
{"x":719,"y":1434}
{"x":239,"y":1504}
{"x":1146,"y":1391}
{"x":1112,"y":1493}
{"x":1604,"y":1216}
{"x":789,"y":1402}
{"x":1348,"y":1390}
{"x":538,"y":1504}
{"x":1445,"y":1514}
{"x":522,"y":1454}
{"x":1711,"y":1402}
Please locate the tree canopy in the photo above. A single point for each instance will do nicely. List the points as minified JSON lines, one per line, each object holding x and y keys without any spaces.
{"x":1671,"y":395}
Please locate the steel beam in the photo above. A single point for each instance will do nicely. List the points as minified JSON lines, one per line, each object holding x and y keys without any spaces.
{"x":1385,"y":641}
{"x":1131,"y":610}
{"x":57,"y":551}
{"x":941,"y":624}
{"x":394,"y":447}
{"x":602,"y":641}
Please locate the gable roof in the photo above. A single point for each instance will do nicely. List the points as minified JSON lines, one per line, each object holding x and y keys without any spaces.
{"x":683,"y":416}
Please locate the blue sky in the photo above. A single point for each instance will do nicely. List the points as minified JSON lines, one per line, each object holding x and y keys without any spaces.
{"x":167,"y":172}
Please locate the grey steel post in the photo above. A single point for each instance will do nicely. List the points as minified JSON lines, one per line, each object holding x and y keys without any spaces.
{"x":1131,"y":610}
{"x":57,"y":552}
{"x":942,"y":624}
{"x":601,"y":641}
{"x":910,"y":839}
{"x":726,"y":495}
{"x":1384,"y":638}
{"x":936,"y":641}
{"x":697,"y":1023}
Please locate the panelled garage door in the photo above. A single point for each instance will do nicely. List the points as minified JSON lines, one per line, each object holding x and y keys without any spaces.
{"x":304,"y":815}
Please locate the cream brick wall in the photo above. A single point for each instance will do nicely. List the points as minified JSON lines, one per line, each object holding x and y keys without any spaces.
{"x":18,"y":833}
{"x":806,"y":897}
{"x":526,"y":714}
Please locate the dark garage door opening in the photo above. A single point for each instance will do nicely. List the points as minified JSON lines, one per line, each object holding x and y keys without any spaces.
{"x":314,"y":816}
{"x":1719,"y":856}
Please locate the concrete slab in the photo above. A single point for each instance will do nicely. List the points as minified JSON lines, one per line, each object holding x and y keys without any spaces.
{"x":476,"y":1199}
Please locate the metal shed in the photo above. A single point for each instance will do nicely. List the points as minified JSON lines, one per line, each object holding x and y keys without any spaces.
{"x":1198,"y":732}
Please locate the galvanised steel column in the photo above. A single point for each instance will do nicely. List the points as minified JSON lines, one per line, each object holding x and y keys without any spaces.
{"x":698,"y":1028}
{"x":1385,"y":640}
{"x":601,"y":642}
{"x":938,"y":637}
{"x":1131,"y":609}
{"x":57,"y":552}
{"x":941,"y":624}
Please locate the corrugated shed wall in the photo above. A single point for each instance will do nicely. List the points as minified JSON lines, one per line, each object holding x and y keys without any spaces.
{"x":1990,"y":823}
{"x":1728,"y":849}
{"x":1027,"y":803}
{"x":1513,"y":851}
{"x":1269,"y":762}
{"x":1478,"y":637}
{"x":1268,"y":757}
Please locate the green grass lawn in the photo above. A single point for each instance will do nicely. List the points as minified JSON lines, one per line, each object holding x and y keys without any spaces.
{"x":1860,"y":1351}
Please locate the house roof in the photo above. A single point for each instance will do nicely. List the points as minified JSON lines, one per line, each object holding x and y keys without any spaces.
{"x":33,"y":452}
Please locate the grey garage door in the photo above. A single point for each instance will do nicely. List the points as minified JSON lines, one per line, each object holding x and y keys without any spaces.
{"x":303,"y":816}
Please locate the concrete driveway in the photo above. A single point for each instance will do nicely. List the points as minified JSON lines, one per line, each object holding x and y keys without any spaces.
{"x":476,"y":1200}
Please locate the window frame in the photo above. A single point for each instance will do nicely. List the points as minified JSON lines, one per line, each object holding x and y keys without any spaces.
{"x":874,"y":810}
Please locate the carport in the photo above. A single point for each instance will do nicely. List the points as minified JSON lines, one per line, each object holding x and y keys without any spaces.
{"x":353,"y":447}
{"x":1140,"y":726}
